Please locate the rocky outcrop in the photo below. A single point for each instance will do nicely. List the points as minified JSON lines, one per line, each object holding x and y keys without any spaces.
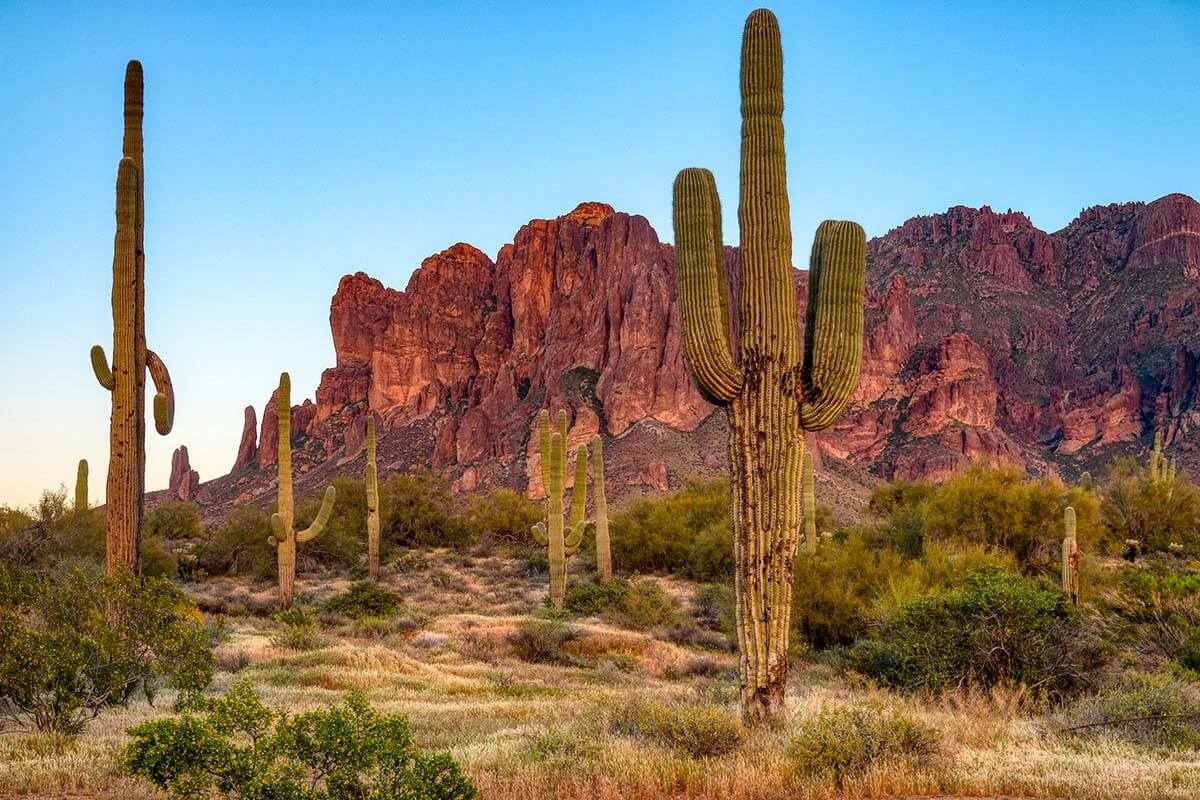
{"x":247,"y":452}
{"x":184,"y":483}
{"x":986,"y":339}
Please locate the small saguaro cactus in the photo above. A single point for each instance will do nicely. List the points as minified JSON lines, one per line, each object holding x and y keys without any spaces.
{"x":603,"y":545}
{"x":772,"y":386}
{"x":1070,"y":558}
{"x":125,"y":377}
{"x":1085,"y":481}
{"x":81,"y":486}
{"x":810,"y":506}
{"x":283,"y":521}
{"x":561,"y":542}
{"x":372,"y":481}
{"x":1158,"y":467}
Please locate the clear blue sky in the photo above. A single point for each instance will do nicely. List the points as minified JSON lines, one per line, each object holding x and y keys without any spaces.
{"x":289,"y":143}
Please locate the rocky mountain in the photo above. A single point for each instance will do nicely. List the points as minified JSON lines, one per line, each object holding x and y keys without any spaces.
{"x":986,"y":339}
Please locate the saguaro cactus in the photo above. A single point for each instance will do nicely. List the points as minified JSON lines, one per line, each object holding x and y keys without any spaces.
{"x":810,"y":506}
{"x":372,"y":481}
{"x":603,"y":545}
{"x":1085,"y":481}
{"x":125,"y":377}
{"x":81,"y":486}
{"x":561,"y":542}
{"x":771,"y":391}
{"x":282,"y":522}
{"x":1070,"y":558}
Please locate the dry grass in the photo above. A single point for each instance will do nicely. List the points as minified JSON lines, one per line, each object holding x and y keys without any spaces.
{"x":532,"y":730}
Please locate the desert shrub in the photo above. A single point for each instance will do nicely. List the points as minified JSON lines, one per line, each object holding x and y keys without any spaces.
{"x":298,"y":629}
{"x":684,"y":532}
{"x":995,"y":629}
{"x":847,"y":741}
{"x":1165,"y":605}
{"x":1155,"y":512}
{"x":235,"y":746}
{"x":344,"y":539}
{"x":75,"y":642}
{"x":364,"y":599}
{"x":502,"y":515}
{"x":890,"y":498}
{"x":1152,"y":709}
{"x":174,"y":521}
{"x":640,"y":604}
{"x":238,"y":546}
{"x":417,"y":510}
{"x":700,"y":731}
{"x":541,"y":642}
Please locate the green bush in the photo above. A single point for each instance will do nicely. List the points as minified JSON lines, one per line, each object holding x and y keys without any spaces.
{"x":298,"y":629}
{"x":1165,"y":605}
{"x":845,"y":742}
{"x":417,"y":510}
{"x":238,"y":546}
{"x":686,"y":532}
{"x":541,"y":642}
{"x":75,"y":642}
{"x":502,"y":515}
{"x":364,"y":599}
{"x":234,"y":746}
{"x":995,"y":629}
{"x":344,"y":539}
{"x":1155,"y":710}
{"x":174,"y":521}
{"x":700,"y":731}
{"x":639,"y":604}
{"x":1155,"y":512}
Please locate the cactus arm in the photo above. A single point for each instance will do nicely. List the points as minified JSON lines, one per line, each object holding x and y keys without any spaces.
{"x":164,"y":398}
{"x":833,"y":331}
{"x":810,"y":505}
{"x":101,"y":368}
{"x":539,"y":534}
{"x":544,"y":447}
{"x":579,"y":490}
{"x":562,"y":431}
{"x":280,"y":532}
{"x":81,"y":486}
{"x":703,"y":296}
{"x":573,"y":537}
{"x":318,"y":525}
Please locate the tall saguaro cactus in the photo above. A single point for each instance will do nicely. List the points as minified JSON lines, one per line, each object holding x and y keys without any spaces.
{"x":1070,"y":558}
{"x":771,"y":390}
{"x":81,"y":486}
{"x":125,"y":376}
{"x":372,"y":481}
{"x":283,"y":521}
{"x":810,"y":506}
{"x":562,"y":543}
{"x":603,"y":545}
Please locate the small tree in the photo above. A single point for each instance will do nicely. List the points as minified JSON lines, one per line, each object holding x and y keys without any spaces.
{"x":77,"y":642}
{"x":234,"y":746}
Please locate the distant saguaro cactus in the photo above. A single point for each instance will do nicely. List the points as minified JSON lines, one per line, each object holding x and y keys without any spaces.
{"x":1085,"y":481}
{"x":372,"y":481}
{"x":810,"y":506}
{"x":283,"y":521}
{"x":125,"y":377}
{"x":603,"y":545}
{"x":1070,"y":557}
{"x":81,"y":486}
{"x":561,"y":543}
{"x":773,"y":390}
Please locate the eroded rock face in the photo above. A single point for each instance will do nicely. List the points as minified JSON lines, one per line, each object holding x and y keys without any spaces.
{"x":247,"y":453}
{"x":184,"y":483}
{"x":986,"y":339}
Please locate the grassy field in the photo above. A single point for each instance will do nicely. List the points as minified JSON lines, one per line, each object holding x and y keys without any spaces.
{"x":449,"y":661}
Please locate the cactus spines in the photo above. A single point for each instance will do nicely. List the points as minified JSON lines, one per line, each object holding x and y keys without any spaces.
{"x":283,"y":521}
{"x":1070,"y":558}
{"x":603,"y":545}
{"x":81,"y":486}
{"x":372,"y":481}
{"x":125,"y":376}
{"x":810,"y":506}
{"x":772,"y":388}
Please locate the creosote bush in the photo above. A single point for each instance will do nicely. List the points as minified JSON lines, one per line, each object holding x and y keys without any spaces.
{"x":364,"y":599}
{"x":847,"y":741}
{"x":75,"y":642}
{"x":235,"y":746}
{"x":1157,"y":710}
{"x":685,"y":532}
{"x":640,"y":604}
{"x":541,"y":642}
{"x":174,"y":521}
{"x":501,"y":515}
{"x":700,"y":731}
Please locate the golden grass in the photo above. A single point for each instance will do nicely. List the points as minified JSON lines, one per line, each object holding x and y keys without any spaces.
{"x":524,"y":731}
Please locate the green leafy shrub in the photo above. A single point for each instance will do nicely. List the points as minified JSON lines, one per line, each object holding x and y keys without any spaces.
{"x":417,"y":510}
{"x":685,"y":532}
{"x":639,"y":604}
{"x":298,"y":629}
{"x":1165,"y":605}
{"x":1151,"y":709}
{"x":701,"y":731}
{"x":344,"y":540}
{"x":174,"y":521}
{"x":502,"y":515}
{"x":234,"y":746}
{"x":238,"y":546}
{"x":541,"y":642}
{"x":995,"y":629}
{"x":364,"y":599}
{"x":1155,"y":512}
{"x":847,"y":741}
{"x":75,"y":642}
